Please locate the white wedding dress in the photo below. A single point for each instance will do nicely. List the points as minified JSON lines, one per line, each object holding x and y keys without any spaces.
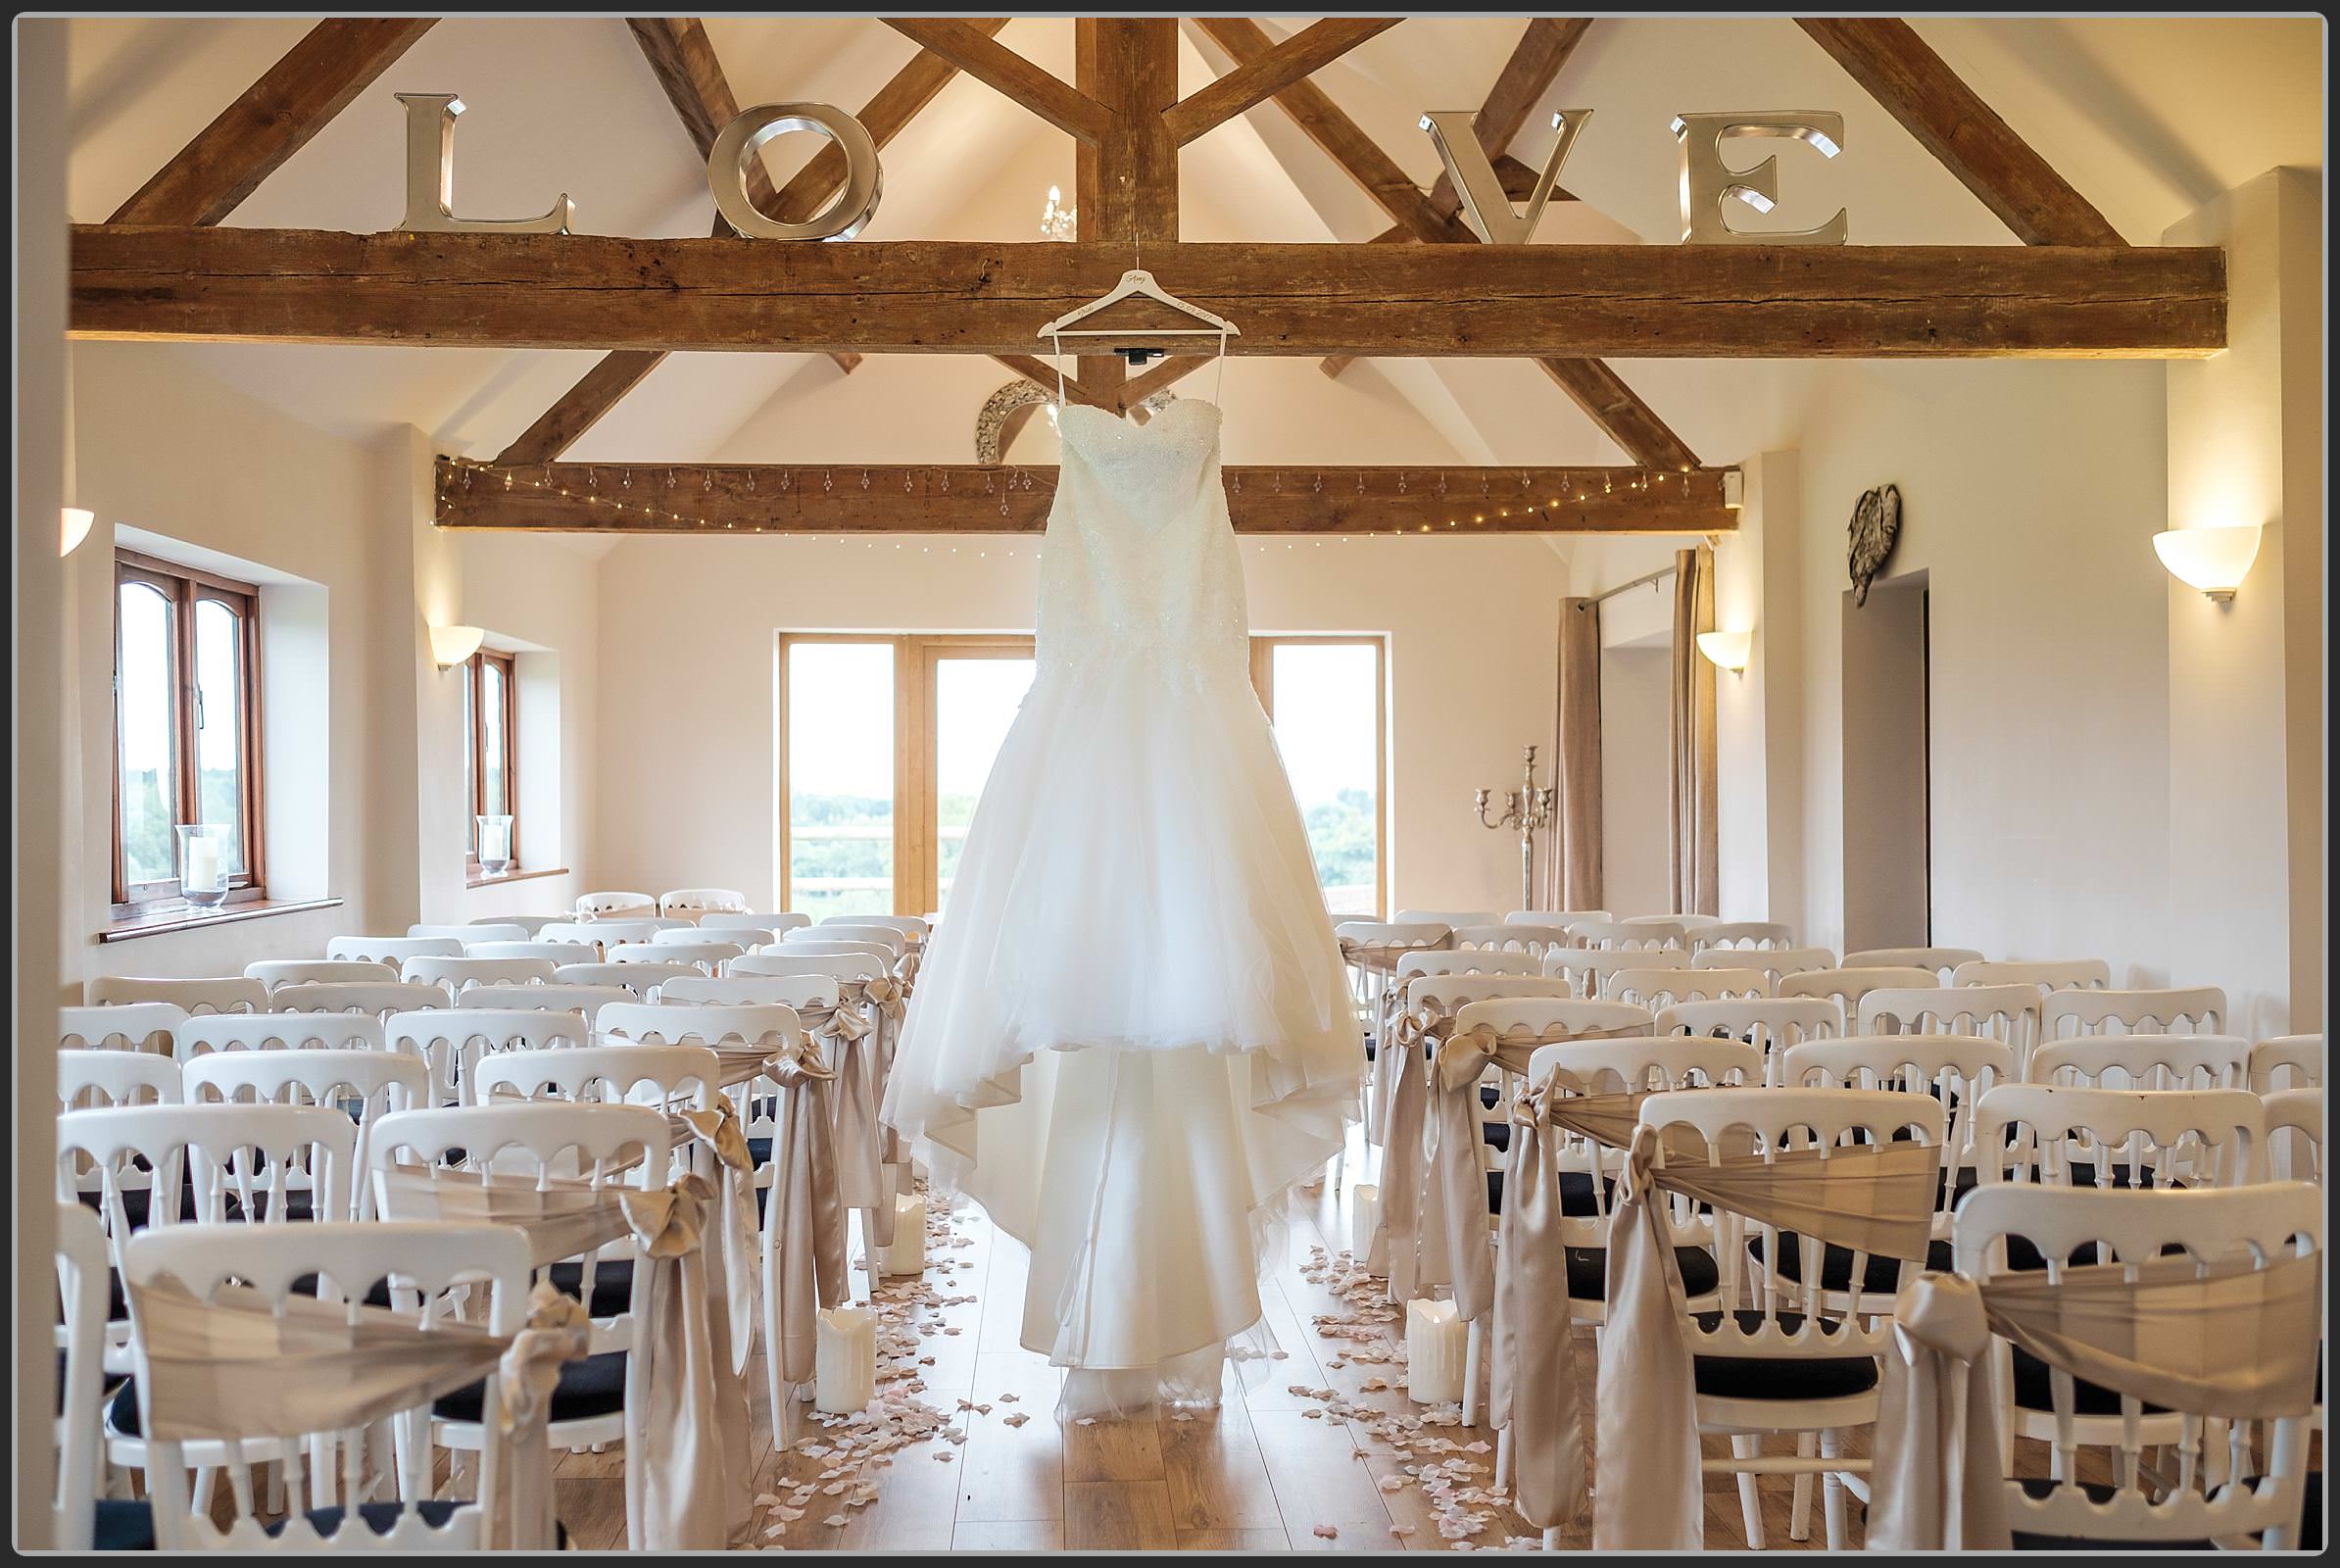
{"x":1131,"y":1035}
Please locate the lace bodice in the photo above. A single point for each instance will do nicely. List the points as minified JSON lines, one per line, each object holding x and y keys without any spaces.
{"x":1140,"y":565}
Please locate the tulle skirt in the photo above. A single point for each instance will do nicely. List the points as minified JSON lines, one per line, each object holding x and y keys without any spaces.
{"x":1132,"y":1035}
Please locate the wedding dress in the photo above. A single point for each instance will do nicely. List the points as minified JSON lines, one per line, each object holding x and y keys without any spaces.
{"x":1131,"y":1034}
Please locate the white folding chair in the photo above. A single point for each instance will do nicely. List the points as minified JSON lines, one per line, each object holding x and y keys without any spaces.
{"x":892,"y":938}
{"x":702,"y":901}
{"x":449,"y":1041}
{"x":1943,"y":961}
{"x":362,"y":1085}
{"x":2189,"y":1009}
{"x":1512,"y":936}
{"x":556,"y":953}
{"x":554,"y":997}
{"x":663,"y":1077}
{"x":192,"y":997}
{"x":380,"y":1000}
{"x":911,"y":926}
{"x":1849,"y":986}
{"x":279,"y":1031}
{"x":143,"y":1026}
{"x":1771,"y":1023}
{"x":635,"y":978}
{"x":392,"y":950}
{"x":1589,"y":968}
{"x":2295,"y":1134}
{"x":1666,"y":986}
{"x":275,"y":972}
{"x":2144,"y":1061}
{"x":82,"y":1294}
{"x":89,"y":1079}
{"x":2255,"y":1488}
{"x":451,"y":974}
{"x":615,"y":905}
{"x":707,"y":958}
{"x":1741,"y":936}
{"x":1777,"y":962}
{"x":437,"y":1268}
{"x":477,"y":931}
{"x":813,"y":943}
{"x":1627,"y":935}
{"x":798,"y":990}
{"x":778,"y":963}
{"x":2287,"y":1061}
{"x":2055,"y":975}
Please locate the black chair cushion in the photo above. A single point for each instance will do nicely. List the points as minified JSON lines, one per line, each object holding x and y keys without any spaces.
{"x":612,"y":1284}
{"x":1879,"y":1276}
{"x":376,"y":1294}
{"x":1588,"y":1272}
{"x":123,"y":1526}
{"x":2034,"y":1390}
{"x":1576,"y":1194}
{"x":593,"y":1386}
{"x":1759,"y":1377}
{"x":2041,"y":1486}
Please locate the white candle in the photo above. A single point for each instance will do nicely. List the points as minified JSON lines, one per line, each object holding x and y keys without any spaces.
{"x":203,"y":863}
{"x":1368,"y":1239}
{"x":907,"y":1254}
{"x":845,"y":1360}
{"x":1436,"y":1344}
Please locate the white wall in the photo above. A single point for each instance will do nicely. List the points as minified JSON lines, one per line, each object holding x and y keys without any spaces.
{"x":1635,"y":820}
{"x":338,"y":531}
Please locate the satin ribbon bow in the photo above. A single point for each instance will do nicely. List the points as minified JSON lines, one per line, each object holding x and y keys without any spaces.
{"x":886,"y":992}
{"x":668,"y":1221}
{"x":720,"y":1132}
{"x":1942,"y":1313}
{"x":846,"y":1023}
{"x":558,"y":1329}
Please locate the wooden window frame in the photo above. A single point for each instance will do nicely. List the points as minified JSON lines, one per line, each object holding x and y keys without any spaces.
{"x":1263,"y":683}
{"x":475,"y":679}
{"x":185,"y":587}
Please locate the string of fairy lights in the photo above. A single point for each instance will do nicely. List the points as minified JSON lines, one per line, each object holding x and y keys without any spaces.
{"x":655,"y":503}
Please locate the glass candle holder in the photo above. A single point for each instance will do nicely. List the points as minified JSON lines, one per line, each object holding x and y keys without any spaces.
{"x":203,"y":863}
{"x":495,"y":844}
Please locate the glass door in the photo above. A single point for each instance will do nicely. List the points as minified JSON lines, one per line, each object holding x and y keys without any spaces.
{"x":970,"y":692}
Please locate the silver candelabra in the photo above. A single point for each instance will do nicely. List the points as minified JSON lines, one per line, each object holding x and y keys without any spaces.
{"x":1530,"y":810}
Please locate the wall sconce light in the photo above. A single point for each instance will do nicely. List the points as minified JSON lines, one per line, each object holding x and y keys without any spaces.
{"x":78,"y":521}
{"x":1725,"y":650}
{"x":2213,"y":560}
{"x":449,"y":646}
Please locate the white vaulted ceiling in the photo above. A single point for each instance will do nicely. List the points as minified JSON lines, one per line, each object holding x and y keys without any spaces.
{"x":2148,"y":117}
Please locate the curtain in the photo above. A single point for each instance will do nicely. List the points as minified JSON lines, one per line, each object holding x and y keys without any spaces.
{"x":1693,"y":846}
{"x":1572,"y":872}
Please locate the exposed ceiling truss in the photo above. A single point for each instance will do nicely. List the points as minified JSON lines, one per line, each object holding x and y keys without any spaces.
{"x":1423,"y":287}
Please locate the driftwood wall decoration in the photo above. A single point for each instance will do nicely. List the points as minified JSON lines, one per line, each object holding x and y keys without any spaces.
{"x":1875,"y":524}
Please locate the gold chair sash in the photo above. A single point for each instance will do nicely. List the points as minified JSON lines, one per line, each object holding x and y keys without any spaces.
{"x":888,"y":999}
{"x":1455,"y":1247}
{"x":1405,"y":1111}
{"x":562,"y":1217}
{"x":860,"y":1144}
{"x":1532,"y":1390}
{"x":2233,"y":1341}
{"x":806,"y":1223}
{"x":719,"y":1133}
{"x":1878,"y":1198}
{"x":237,"y":1366}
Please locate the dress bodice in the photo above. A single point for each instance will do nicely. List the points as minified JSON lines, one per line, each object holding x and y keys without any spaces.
{"x":1139,"y":566}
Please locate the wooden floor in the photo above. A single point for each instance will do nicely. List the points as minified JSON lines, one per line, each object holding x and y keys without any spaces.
{"x":1271,"y":1470}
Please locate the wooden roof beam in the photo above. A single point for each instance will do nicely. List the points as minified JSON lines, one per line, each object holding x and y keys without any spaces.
{"x":974,"y":51}
{"x":1252,"y":84}
{"x":671,"y":499}
{"x":1917,"y":88}
{"x":276,"y":115}
{"x":980,"y":297}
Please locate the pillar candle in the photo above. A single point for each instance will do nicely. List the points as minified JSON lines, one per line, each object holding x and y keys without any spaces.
{"x":1368,"y":1238}
{"x":907,"y":1254}
{"x":203,"y":863}
{"x":1436,"y":1344}
{"x":845,"y":1360}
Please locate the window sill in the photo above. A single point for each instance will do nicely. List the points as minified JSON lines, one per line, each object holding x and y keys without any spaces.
{"x":186,"y":917}
{"x":480,"y":879}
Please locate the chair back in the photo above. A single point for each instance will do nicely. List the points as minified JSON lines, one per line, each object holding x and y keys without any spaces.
{"x":433,"y":1272}
{"x":1663,"y":987}
{"x":554,"y":997}
{"x":1451,"y":993}
{"x":914,"y":927}
{"x":2055,"y":975}
{"x":813,"y":942}
{"x":892,"y":938}
{"x":609,"y":933}
{"x":2008,"y":1013}
{"x":2144,"y":1061}
{"x":453,"y":974}
{"x":148,"y":1166}
{"x":1773,"y":1023}
{"x":1943,"y":961}
{"x":392,"y":950}
{"x":799,"y":991}
{"x":707,"y":958}
{"x":615,"y":905}
{"x":704,"y":1023}
{"x":89,"y":1079}
{"x":2065,"y":1137}
{"x":146,"y":1026}
{"x":477,"y":931}
{"x":82,"y":1298}
{"x":1849,"y":986}
{"x":2253,"y":1228}
{"x":1741,"y":935}
{"x":451,"y":1041}
{"x":1512,"y":936}
{"x":1956,"y":1069}
{"x":635,"y":979}
{"x":2295,"y":1134}
{"x":554,"y":953}
{"x":377,"y":998}
{"x":783,"y":960}
{"x":1654,"y":1061}
{"x":362,"y":1085}
{"x":192,"y":997}
{"x":1609,"y":936}
{"x":1466,"y":960}
{"x":658,"y":1076}
{"x":700,"y":901}
{"x":2287,"y":1061}
{"x":275,"y":972}
{"x":776,"y":924}
{"x":2095,"y":1011}
{"x":279,"y":1031}
{"x":1589,"y":968}
{"x":1777,"y":962}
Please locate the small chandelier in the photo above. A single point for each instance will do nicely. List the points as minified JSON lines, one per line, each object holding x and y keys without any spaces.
{"x":1057,"y":220}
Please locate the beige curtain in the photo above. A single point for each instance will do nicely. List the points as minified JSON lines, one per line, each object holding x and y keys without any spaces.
{"x":1693,"y":847}
{"x":1572,"y":870}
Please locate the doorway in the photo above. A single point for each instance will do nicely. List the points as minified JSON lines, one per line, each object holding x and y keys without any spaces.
{"x":1889,"y":872}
